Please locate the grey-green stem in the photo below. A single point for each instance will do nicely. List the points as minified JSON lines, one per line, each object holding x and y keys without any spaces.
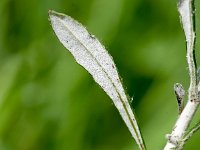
{"x":186,"y":10}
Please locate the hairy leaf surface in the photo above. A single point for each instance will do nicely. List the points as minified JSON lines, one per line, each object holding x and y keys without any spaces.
{"x":89,"y":53}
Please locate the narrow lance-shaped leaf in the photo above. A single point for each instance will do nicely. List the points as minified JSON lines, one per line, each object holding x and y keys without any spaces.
{"x":186,"y":10}
{"x":90,"y":54}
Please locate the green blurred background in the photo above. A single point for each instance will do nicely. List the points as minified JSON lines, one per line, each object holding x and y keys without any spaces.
{"x":48,"y":102}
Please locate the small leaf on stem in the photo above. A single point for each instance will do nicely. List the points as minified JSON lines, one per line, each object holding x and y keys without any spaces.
{"x":189,"y":135}
{"x":180,"y":93}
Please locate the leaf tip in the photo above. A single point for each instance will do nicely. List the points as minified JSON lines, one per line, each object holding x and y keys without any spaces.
{"x":50,"y":11}
{"x":53,"y":13}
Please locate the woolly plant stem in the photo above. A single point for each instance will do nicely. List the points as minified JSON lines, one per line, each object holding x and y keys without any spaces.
{"x":186,"y":10}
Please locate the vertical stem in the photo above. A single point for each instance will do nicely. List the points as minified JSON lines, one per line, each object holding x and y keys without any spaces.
{"x":186,"y":10}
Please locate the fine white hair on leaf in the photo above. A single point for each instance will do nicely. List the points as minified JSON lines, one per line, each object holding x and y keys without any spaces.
{"x":184,"y":8}
{"x":89,"y":53}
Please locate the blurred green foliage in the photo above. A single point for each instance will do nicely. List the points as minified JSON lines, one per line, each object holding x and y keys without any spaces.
{"x":48,"y":102}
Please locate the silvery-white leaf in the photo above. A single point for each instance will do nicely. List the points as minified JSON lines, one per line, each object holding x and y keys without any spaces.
{"x":185,"y":9}
{"x":90,"y":54}
{"x":187,"y":14}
